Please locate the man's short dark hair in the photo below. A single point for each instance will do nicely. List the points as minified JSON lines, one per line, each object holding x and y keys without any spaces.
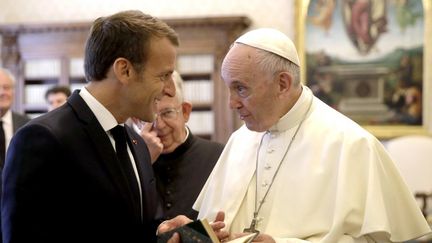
{"x":126,"y":34}
{"x":58,"y":89}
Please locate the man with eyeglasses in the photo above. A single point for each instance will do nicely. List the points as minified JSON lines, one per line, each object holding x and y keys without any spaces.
{"x":182,"y":161}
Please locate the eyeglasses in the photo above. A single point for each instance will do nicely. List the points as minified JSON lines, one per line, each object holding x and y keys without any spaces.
{"x":168,"y":114}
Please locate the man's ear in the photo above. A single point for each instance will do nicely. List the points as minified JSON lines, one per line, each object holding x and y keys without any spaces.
{"x":186,"y":110}
{"x":285,"y":80}
{"x":122,"y":69}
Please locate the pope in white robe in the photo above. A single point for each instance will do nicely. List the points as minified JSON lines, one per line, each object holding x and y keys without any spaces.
{"x":326,"y":178}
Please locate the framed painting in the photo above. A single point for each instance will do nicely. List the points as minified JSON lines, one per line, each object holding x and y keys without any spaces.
{"x":368,"y":59}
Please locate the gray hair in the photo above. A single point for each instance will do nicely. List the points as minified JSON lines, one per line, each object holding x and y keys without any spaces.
{"x":273,"y":64}
{"x":9,"y":75}
{"x":178,"y":83}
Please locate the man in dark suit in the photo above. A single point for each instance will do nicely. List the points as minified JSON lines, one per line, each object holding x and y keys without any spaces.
{"x":65,"y":177}
{"x":10,"y":121}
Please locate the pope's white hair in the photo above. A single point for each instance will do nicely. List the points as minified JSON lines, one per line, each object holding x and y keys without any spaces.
{"x":273,"y":64}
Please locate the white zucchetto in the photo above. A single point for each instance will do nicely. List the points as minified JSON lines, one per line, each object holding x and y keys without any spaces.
{"x":271,"y":40}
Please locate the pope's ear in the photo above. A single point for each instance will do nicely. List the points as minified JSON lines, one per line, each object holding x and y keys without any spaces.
{"x":285,"y":80}
{"x":122,"y":69}
{"x":186,"y":109}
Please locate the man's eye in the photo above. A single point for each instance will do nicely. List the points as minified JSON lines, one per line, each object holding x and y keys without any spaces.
{"x":167,"y":113}
{"x":165,"y":77}
{"x":242,"y":91}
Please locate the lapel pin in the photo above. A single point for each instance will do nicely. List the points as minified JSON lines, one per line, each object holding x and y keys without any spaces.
{"x":134,"y":141}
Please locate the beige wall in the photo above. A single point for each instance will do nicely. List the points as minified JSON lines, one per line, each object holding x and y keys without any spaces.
{"x":275,"y":13}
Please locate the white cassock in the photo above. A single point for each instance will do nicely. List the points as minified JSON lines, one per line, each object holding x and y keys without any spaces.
{"x":336,"y":183}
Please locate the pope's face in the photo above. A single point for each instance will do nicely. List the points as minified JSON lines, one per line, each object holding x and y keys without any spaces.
{"x":253,"y":93}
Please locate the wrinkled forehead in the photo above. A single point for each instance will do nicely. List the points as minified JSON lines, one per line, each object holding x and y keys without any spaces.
{"x":239,"y":50}
{"x":239,"y":60}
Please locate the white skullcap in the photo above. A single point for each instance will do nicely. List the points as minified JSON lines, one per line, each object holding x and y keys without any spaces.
{"x":271,"y":40}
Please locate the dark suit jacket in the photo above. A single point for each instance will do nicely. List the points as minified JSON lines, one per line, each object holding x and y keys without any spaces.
{"x":18,"y":121}
{"x":63,"y":183}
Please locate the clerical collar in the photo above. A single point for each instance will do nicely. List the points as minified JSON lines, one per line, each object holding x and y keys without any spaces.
{"x":182,"y":148}
{"x":187,"y":134}
{"x":294,"y":116}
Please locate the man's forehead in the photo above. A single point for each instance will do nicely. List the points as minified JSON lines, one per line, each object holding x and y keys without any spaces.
{"x":4,"y":78}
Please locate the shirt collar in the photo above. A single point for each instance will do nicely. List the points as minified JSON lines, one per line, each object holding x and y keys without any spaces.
{"x":7,"y":118}
{"x":187,"y":134}
{"x":294,"y":116}
{"x":103,"y":115}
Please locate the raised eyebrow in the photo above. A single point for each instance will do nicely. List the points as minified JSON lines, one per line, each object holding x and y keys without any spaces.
{"x":237,"y":83}
{"x":164,"y":73}
{"x":170,"y":72}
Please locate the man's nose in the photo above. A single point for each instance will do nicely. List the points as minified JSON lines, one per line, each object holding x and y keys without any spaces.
{"x":158,"y":123}
{"x":234,"y":102}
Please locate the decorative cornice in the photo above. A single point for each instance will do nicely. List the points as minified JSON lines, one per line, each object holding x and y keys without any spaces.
{"x":221,"y":21}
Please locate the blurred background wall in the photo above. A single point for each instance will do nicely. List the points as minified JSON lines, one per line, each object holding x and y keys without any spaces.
{"x":275,"y":13}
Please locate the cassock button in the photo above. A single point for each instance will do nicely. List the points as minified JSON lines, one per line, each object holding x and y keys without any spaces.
{"x":270,"y":150}
{"x":168,"y":205}
{"x":267,"y":166}
{"x":264,"y":184}
{"x":168,"y":192}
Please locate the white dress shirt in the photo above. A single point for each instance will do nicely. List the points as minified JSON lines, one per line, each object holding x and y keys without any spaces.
{"x":107,"y":121}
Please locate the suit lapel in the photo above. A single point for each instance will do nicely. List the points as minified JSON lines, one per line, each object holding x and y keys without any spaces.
{"x":101,"y":142}
{"x":145,"y":171}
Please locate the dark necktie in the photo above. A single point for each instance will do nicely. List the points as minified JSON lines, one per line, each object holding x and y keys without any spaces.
{"x":2,"y":144}
{"x":119,"y":134}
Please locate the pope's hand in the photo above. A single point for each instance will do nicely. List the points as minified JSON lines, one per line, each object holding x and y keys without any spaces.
{"x":259,"y":238}
{"x":264,"y":239}
{"x":218,"y":224}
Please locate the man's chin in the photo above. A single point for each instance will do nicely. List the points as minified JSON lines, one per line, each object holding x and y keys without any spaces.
{"x":254,"y":127}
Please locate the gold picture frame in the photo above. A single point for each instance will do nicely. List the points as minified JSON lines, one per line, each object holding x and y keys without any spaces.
{"x":383,"y":132}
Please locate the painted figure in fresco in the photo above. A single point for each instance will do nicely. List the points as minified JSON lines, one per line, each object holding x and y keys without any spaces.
{"x":364,"y":21}
{"x":324,"y":17}
{"x":407,"y":13}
